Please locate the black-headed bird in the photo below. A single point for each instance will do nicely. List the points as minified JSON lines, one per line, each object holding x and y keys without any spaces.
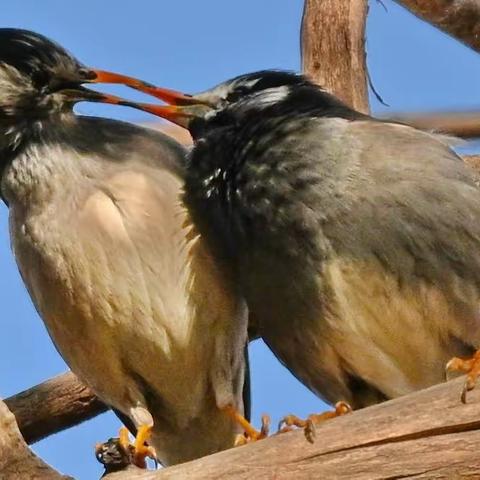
{"x":129,"y":292}
{"x":355,"y":241}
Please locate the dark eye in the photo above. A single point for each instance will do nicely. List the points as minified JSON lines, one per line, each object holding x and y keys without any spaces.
{"x":238,"y":94}
{"x":86,"y":74}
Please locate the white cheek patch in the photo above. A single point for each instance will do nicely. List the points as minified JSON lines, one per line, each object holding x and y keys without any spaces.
{"x":225,"y":89}
{"x":210,"y":115}
{"x":271,"y":95}
{"x":250,"y":83}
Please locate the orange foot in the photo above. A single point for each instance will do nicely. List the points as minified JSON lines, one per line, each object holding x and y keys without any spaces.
{"x":470,"y":366}
{"x":250,"y":433}
{"x":141,"y":451}
{"x":288,"y":422}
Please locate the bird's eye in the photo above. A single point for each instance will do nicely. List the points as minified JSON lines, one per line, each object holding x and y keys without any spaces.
{"x":238,"y":94}
{"x":86,"y":74}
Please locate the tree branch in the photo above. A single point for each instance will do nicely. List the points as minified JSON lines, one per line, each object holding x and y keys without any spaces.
{"x":459,"y":124}
{"x":428,"y":434}
{"x":17,"y":462}
{"x":332,"y":45}
{"x":458,"y":18}
{"x":57,"y":404}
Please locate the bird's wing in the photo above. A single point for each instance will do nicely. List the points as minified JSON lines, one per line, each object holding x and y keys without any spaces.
{"x":403,"y":195}
{"x":400,"y":214}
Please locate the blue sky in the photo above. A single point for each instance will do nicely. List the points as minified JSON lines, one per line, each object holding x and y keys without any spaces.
{"x":190,"y":45}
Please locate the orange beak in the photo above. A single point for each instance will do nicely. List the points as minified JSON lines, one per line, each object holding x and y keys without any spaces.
{"x":182,"y":108}
{"x":169,"y":96}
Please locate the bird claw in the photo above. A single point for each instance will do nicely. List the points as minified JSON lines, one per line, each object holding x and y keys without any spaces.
{"x":288,"y":422}
{"x":118,"y":453}
{"x":250,"y":434}
{"x":470,"y":366}
{"x":138,"y":451}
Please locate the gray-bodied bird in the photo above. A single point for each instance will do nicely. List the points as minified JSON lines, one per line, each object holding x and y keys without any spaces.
{"x":129,"y":292}
{"x":356,"y":241}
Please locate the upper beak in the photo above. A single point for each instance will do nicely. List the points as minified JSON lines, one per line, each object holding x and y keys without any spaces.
{"x":75,"y":92}
{"x":182,"y":108}
{"x":169,"y":96}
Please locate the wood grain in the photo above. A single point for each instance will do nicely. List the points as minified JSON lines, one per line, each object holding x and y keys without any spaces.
{"x":332,"y":45}
{"x":459,"y":124}
{"x":427,"y":435}
{"x":17,"y":461}
{"x":458,"y":18}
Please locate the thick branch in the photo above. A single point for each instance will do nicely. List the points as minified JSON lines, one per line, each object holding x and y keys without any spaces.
{"x":333,"y":53}
{"x":473,"y":161}
{"x":429,"y":434}
{"x":57,"y":404}
{"x":459,"y":124}
{"x":458,"y":18}
{"x":17,"y":462}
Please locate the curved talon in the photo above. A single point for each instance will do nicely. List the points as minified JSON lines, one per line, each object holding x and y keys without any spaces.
{"x":265,"y":428}
{"x":288,"y":422}
{"x":310,"y":431}
{"x":250,"y":433}
{"x":470,"y":366}
{"x":128,"y":453}
{"x":341,"y":408}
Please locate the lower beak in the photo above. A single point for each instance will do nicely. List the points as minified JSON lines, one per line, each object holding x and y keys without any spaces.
{"x":181,"y":115}
{"x":82,"y":94}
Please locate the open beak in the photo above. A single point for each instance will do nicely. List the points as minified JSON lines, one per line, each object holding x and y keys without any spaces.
{"x":169,"y":96}
{"x":182,"y":108}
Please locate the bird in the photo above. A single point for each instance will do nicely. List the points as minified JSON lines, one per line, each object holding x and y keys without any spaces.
{"x":130,"y":293}
{"x":354,"y":240}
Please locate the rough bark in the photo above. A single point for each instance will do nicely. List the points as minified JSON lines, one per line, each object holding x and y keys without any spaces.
{"x":57,"y":404}
{"x":459,"y":124}
{"x":458,"y":18}
{"x":332,"y":44}
{"x":17,"y":462}
{"x":427,"y":435}
{"x":473,"y":161}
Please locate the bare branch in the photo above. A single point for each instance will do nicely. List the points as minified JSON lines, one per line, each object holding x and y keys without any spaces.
{"x":332,"y":44}
{"x":459,"y":124}
{"x":429,"y":434}
{"x":473,"y":161}
{"x":57,"y":404}
{"x":17,"y":462}
{"x":458,"y":18}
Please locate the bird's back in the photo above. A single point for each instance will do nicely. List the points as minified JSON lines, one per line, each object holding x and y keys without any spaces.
{"x":369,"y":260}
